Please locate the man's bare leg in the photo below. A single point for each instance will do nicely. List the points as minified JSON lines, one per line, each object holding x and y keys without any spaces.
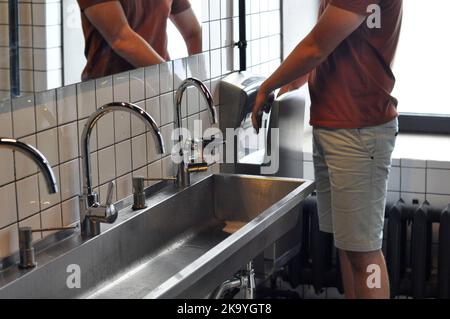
{"x":347,"y":275}
{"x":366,"y":267}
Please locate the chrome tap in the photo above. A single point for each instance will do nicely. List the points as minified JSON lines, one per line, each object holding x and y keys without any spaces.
{"x":26,"y":250}
{"x":92,"y":213}
{"x":184,"y":169}
{"x":36,"y":156}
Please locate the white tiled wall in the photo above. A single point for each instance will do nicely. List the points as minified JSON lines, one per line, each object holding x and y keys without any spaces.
{"x":121,"y":146}
{"x":40,"y":46}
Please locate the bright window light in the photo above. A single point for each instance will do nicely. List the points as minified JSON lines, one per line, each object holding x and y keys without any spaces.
{"x":422,"y":64}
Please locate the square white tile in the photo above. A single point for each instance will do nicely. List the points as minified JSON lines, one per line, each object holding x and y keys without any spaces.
{"x":47,"y":143}
{"x":46,"y":199}
{"x":28,"y":196}
{"x":122,"y":126}
{"x":153,"y":108}
{"x":46,"y":115}
{"x":166,"y":77}
{"x":139,"y":151}
{"x":438,"y":181}
{"x":167,"y":108}
{"x":137,"y":85}
{"x":166,"y":132}
{"x":394,"y":179}
{"x":151,"y":81}
{"x":70,"y":211}
{"x":23,"y":116}
{"x":9,"y":240}
{"x":124,"y":186}
{"x":122,"y":87}
{"x":215,"y":32}
{"x":107,"y":165}
{"x":104,"y":90}
{"x":214,"y":10}
{"x":168,"y":167}
{"x":413,"y":180}
{"x":68,"y":143}
{"x":7,"y":165}
{"x":123,"y":158}
{"x":179,"y":71}
{"x":154,"y":170}
{"x":9,"y":207}
{"x":66,"y":100}
{"x":105,"y":131}
{"x":25,"y":166}
{"x":138,"y":126}
{"x":86,"y":99}
{"x":70,"y":179}
{"x":5,"y":119}
{"x":51,"y":218}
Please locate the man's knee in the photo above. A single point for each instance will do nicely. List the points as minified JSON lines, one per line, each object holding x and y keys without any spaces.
{"x":361,"y":260}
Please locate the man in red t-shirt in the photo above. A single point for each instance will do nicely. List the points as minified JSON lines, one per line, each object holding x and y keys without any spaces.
{"x":122,"y":35}
{"x":346,"y":59}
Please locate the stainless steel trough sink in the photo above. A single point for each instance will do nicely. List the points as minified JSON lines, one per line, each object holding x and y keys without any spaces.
{"x":183,"y":245}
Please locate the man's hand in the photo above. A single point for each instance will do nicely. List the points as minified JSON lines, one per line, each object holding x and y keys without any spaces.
{"x":263,"y":103}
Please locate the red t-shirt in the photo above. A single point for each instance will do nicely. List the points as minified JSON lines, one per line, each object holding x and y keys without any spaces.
{"x":352,"y":87}
{"x":145,"y":17}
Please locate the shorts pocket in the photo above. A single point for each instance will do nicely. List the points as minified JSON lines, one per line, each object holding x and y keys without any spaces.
{"x":368,"y":140}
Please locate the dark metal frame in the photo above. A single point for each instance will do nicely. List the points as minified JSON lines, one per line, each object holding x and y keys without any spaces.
{"x":13,"y":8}
{"x":242,"y":44}
{"x":424,"y":123}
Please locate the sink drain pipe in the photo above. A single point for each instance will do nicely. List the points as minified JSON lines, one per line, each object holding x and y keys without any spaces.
{"x":244,"y":280}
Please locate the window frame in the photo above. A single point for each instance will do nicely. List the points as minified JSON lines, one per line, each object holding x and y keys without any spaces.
{"x":424,"y":123}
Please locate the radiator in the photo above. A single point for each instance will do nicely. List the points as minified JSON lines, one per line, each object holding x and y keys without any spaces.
{"x":409,"y":261}
{"x":415,"y":276}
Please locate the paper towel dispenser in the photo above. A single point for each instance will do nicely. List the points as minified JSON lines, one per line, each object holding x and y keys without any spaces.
{"x":238,"y":92}
{"x":237,"y":96}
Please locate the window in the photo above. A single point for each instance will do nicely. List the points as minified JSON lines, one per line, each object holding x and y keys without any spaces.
{"x":422,"y":65}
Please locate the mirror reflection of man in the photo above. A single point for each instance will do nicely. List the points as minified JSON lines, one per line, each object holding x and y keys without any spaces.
{"x":122,"y":35}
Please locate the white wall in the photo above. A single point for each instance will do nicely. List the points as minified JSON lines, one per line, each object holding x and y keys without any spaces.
{"x":299,"y":16}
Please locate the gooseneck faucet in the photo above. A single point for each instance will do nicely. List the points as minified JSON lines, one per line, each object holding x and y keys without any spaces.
{"x":26,"y":250}
{"x":36,"y":156}
{"x":183,"y":175}
{"x":91,"y":212}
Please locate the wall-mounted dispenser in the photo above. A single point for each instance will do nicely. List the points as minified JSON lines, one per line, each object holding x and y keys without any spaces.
{"x":237,"y":96}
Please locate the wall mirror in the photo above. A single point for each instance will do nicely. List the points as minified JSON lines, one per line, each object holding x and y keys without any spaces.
{"x":42,"y":44}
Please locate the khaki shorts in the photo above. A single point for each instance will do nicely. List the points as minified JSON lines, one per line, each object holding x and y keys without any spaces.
{"x":351,"y":173}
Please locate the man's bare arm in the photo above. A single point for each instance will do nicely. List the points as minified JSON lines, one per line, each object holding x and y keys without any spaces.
{"x":333,"y":27}
{"x":109,"y":19}
{"x":189,"y":27}
{"x":294,"y":85}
